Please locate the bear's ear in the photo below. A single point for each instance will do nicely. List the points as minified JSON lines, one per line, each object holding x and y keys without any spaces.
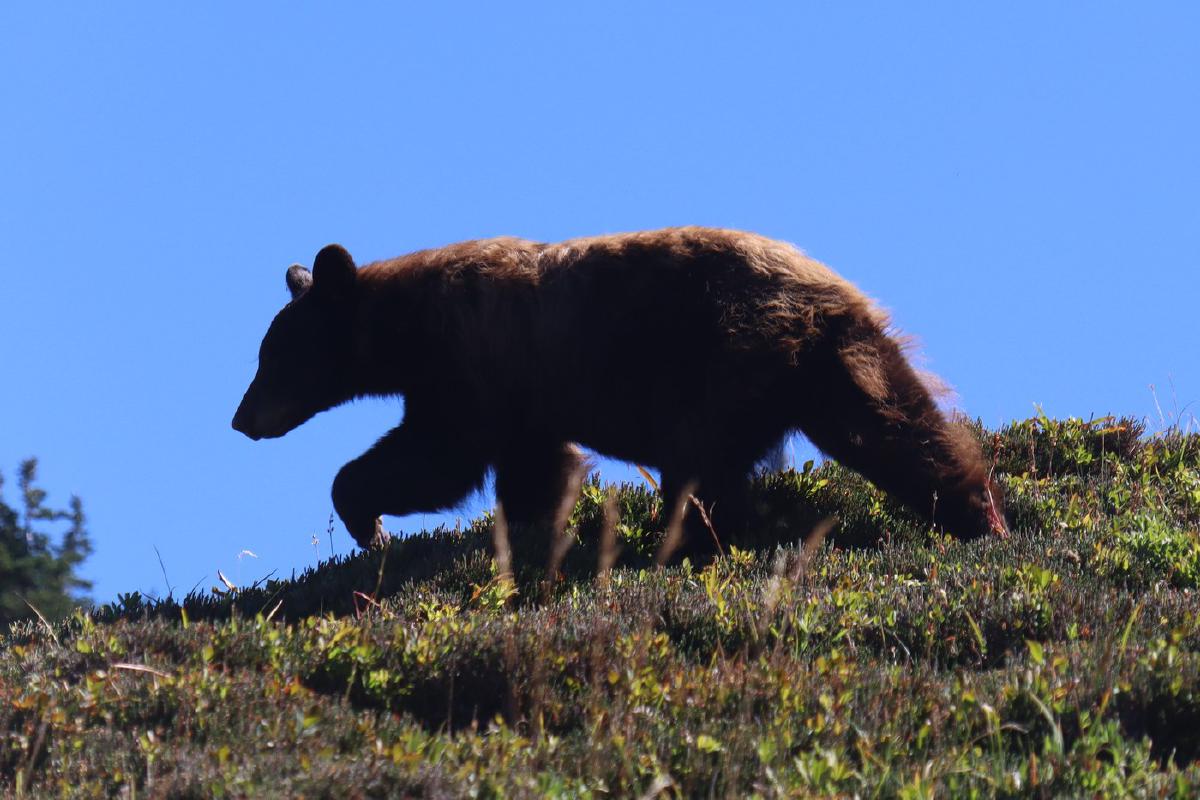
{"x":334,"y":271}
{"x":298,"y":280}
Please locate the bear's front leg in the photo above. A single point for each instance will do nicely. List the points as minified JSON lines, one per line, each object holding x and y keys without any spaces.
{"x":413,"y":468}
{"x":537,"y":484}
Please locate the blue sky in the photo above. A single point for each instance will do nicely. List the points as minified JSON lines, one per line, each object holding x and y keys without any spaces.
{"x":1017,"y":184}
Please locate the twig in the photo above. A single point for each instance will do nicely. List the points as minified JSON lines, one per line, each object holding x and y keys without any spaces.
{"x":141,"y":668}
{"x":48,"y":626}
{"x":649,"y":478}
{"x":24,"y":775}
{"x":386,"y":544}
{"x":263,"y":580}
{"x":674,"y":533}
{"x":163,"y":567}
{"x":704,"y":517}
{"x":229,"y":585}
{"x":278,"y":592}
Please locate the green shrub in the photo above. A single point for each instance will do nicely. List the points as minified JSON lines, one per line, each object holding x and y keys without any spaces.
{"x":1145,"y":549}
{"x":882,"y":661}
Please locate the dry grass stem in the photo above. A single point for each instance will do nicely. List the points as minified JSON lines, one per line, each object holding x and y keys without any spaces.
{"x":673,"y":537}
{"x":49,"y":628}
{"x":141,"y":668}
{"x":500,"y":546}
{"x":707,"y":520}
{"x":561,"y":537}
{"x":609,"y":549}
{"x":811,"y":544}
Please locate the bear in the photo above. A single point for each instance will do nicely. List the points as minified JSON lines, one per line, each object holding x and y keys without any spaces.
{"x":690,"y":350}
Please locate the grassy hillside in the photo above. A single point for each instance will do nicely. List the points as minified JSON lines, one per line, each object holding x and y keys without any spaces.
{"x":1063,"y":661}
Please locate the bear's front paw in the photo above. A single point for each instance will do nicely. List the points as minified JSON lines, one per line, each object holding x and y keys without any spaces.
{"x":367,"y":533}
{"x":381,"y":537}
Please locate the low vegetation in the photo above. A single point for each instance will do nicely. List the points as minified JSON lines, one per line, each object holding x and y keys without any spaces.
{"x":872,"y":658}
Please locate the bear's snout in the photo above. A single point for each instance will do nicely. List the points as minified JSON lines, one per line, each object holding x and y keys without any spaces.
{"x":263,"y":419}
{"x":248,"y":417}
{"x":243,"y":421}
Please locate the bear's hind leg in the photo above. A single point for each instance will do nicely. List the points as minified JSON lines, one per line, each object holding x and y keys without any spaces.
{"x":680,"y":495}
{"x":722,"y":487}
{"x":412,"y":468}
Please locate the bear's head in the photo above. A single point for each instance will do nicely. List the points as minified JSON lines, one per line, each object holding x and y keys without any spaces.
{"x":973,"y":511}
{"x":969,"y":501}
{"x":305,"y":363}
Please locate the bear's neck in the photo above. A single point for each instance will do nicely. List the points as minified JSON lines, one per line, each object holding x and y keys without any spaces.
{"x":388,"y":348}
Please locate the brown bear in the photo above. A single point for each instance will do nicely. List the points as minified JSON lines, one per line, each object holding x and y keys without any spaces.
{"x":691,"y":350}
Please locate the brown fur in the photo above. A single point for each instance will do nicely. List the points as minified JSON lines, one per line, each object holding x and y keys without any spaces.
{"x":692,"y":350}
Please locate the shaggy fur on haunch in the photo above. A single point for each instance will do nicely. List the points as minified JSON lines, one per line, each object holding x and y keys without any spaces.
{"x":691,"y":350}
